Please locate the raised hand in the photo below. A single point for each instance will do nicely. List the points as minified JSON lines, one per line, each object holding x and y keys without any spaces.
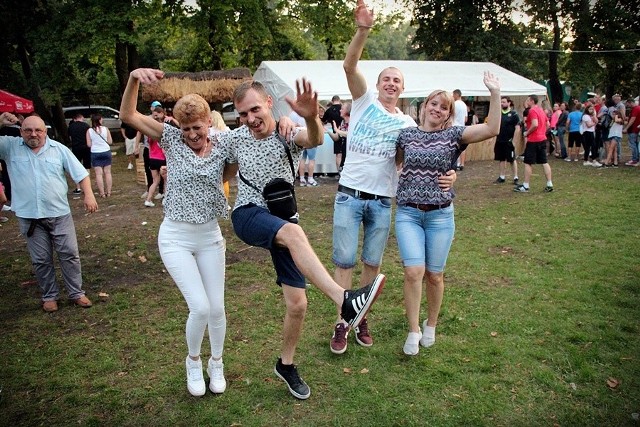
{"x":362,"y":15}
{"x":306,"y":102}
{"x":8,"y":119}
{"x":147,"y":75}
{"x":491,"y":82}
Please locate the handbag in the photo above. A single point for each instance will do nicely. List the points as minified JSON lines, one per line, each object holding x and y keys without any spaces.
{"x":279,"y":194}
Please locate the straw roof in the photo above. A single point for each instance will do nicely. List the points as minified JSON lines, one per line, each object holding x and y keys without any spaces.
{"x":214,"y":86}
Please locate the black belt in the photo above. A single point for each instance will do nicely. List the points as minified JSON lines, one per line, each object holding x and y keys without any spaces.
{"x":426,"y":208}
{"x":360,"y":194}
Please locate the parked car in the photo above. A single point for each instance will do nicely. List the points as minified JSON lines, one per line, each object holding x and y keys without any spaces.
{"x":230,"y":115}
{"x":110,"y":116}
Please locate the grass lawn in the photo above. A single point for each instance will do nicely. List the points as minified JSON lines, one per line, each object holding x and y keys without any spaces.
{"x":539,"y":326}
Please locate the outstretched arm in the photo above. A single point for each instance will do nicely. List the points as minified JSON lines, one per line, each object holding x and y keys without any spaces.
{"x":306,"y":105}
{"x":128,"y":113}
{"x":364,"y":23}
{"x":482,"y":131}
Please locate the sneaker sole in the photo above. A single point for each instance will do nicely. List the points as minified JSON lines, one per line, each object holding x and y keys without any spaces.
{"x":292,"y":391}
{"x":378,"y":284}
{"x":362,"y":343}
{"x":337,"y":351}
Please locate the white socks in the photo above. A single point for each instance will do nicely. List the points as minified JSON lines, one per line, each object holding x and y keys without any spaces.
{"x":428,"y":335}
{"x":426,"y":338}
{"x":411,"y":344}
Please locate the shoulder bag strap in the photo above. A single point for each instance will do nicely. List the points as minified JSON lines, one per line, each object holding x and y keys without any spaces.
{"x":248,"y":183}
{"x":286,"y":149}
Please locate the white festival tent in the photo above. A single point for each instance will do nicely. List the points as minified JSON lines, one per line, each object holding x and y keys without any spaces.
{"x":421,"y":78}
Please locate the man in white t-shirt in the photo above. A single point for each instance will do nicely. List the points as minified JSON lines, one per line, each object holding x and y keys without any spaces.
{"x":369,"y":178}
{"x":459,"y":119}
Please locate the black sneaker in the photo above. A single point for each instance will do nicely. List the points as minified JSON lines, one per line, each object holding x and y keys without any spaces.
{"x":500,"y":180}
{"x":289,"y":374}
{"x":515,"y":181}
{"x":520,"y":189}
{"x":548,"y":189}
{"x":357,"y":303}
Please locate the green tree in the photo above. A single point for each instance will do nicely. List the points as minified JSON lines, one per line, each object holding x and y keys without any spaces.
{"x":468,"y":30}
{"x":328,"y":21}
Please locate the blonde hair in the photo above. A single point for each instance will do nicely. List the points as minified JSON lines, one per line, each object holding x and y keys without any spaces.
{"x":191,"y":108}
{"x":217,"y":122}
{"x":447,"y":98}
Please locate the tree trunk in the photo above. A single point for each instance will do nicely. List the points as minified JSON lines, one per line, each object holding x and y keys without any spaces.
{"x":35,"y":92}
{"x":555,"y":87}
{"x":122,"y":69}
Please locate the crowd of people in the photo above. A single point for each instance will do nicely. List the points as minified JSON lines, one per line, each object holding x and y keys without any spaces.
{"x":380,"y":153}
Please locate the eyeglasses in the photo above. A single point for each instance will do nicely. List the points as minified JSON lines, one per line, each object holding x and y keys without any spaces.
{"x":30,"y":131}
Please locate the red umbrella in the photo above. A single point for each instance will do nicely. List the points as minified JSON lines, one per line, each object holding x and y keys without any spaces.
{"x":14,"y":104}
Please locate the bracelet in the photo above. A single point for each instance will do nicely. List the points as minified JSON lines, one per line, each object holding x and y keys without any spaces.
{"x":365,"y":26}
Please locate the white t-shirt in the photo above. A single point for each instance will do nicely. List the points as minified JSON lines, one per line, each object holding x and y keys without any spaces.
{"x":460,"y":113}
{"x":584,"y":124}
{"x":371,"y":147}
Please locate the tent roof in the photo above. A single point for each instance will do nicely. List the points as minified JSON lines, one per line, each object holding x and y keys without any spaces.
{"x":10,"y":103}
{"x":421,"y":77}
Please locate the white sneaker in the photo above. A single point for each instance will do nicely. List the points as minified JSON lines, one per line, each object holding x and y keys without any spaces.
{"x":428,"y":335}
{"x":312,"y":182}
{"x":587,"y":163}
{"x":159,"y":196}
{"x":303,"y":182}
{"x":411,"y":347}
{"x":217,"y":383}
{"x":130,"y":166}
{"x":149,"y":203}
{"x":195,"y":380}
{"x":144,"y":195}
{"x":596,"y":164}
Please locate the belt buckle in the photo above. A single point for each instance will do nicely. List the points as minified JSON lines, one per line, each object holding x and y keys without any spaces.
{"x":356,"y":193}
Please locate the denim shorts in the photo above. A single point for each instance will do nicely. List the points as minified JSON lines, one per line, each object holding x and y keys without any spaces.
{"x":255,"y":226}
{"x":375,"y":217}
{"x":424,"y":238}
{"x":100,"y":160}
{"x":309,"y":153}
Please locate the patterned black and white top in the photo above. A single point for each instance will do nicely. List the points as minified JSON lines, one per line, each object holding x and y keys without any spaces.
{"x":427,"y":155}
{"x":259,"y":160}
{"x":194,"y":184}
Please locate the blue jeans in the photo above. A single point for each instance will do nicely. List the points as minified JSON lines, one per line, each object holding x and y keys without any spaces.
{"x":633,"y":144}
{"x":375,"y":217}
{"x":563,"y":148}
{"x":424,"y":238}
{"x":51,"y":234}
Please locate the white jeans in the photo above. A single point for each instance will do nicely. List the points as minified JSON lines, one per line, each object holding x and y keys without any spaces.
{"x":194,"y":255}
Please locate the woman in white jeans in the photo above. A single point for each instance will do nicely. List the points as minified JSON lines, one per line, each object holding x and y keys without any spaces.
{"x":190,"y":240}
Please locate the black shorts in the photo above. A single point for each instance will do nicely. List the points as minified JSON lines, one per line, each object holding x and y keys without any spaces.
{"x":535,"y":153}
{"x":340,"y":146}
{"x":83,"y":154}
{"x":504,"y":151}
{"x":155,"y":164}
{"x":575,"y":138}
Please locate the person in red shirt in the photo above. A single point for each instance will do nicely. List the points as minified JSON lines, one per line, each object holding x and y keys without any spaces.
{"x":632,"y":129}
{"x":536,"y":148}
